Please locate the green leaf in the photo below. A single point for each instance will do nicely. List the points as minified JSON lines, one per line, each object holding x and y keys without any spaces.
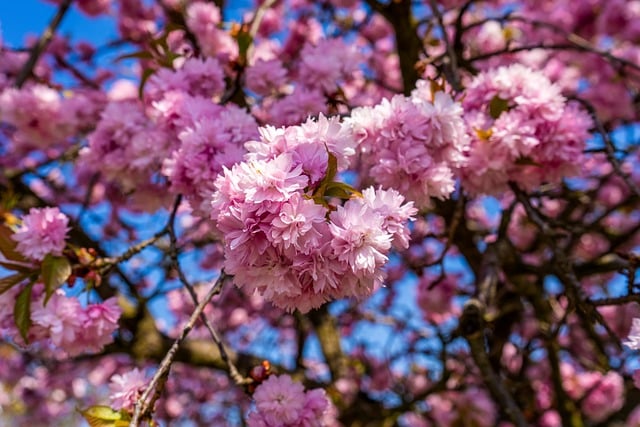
{"x":9,"y":282}
{"x":244,"y":40}
{"x":22,"y":311}
{"x":497,"y":106}
{"x":340,"y":190}
{"x":104,"y":416}
{"x":332,"y":168}
{"x":8,"y":245}
{"x":55,"y":271}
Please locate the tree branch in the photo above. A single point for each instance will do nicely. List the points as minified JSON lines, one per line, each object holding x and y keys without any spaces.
{"x":42,"y":43}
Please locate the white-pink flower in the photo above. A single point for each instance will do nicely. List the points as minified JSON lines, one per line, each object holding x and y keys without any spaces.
{"x":633,"y":340}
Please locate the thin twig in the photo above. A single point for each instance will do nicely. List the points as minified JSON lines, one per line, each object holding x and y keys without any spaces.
{"x":472,"y":326}
{"x":107,"y":263}
{"x":42,"y":43}
{"x":609,"y":146}
{"x":616,"y":300}
{"x":257,"y":18}
{"x":454,"y":76}
{"x":173,"y":253}
{"x":143,"y":405}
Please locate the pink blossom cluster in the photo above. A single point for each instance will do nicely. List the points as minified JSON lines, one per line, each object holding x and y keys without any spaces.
{"x":193,"y":76}
{"x":282,"y":402}
{"x":209,"y":143}
{"x":413,"y":144}
{"x":204,"y":21}
{"x":125,"y":146}
{"x":327,"y":63}
{"x":43,"y":231}
{"x":265,"y":76}
{"x":293,"y":107}
{"x":600,"y":394}
{"x":522,"y":130}
{"x":72,"y":328}
{"x":137,"y":20}
{"x":43,"y":118}
{"x":284,"y":240}
{"x":62,"y":326}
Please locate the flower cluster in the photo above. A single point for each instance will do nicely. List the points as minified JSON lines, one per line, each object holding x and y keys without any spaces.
{"x":73,"y":328}
{"x":195,"y":77}
{"x":211,"y":142}
{"x":284,"y":240}
{"x":413,"y":144}
{"x":43,"y":231}
{"x":42,"y":118}
{"x":600,"y":394}
{"x":125,"y":145}
{"x":204,"y":19}
{"x":522,"y":129}
{"x":327,"y":63}
{"x":281,"y":402}
{"x":63,"y":326}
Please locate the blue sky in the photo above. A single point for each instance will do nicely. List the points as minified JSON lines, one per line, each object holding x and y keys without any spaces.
{"x":19,"y":19}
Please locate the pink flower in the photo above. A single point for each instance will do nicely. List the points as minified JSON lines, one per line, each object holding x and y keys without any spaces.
{"x":327,"y":63}
{"x":74,"y":329}
{"x":99,"y":323}
{"x":205,"y":147}
{"x":196,"y":77}
{"x":358,"y":237}
{"x":62,"y":318}
{"x":295,"y":223}
{"x":126,"y":389}
{"x":281,"y":402}
{"x":412,"y":144}
{"x":125,"y":145}
{"x":265,"y":76}
{"x":94,"y":7}
{"x":395,"y":214}
{"x":437,"y":299}
{"x":203,"y":19}
{"x":604,"y":394}
{"x":523,"y":130}
{"x":295,"y":107}
{"x":43,"y":231}
{"x":38,"y":114}
{"x":283,"y":241}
